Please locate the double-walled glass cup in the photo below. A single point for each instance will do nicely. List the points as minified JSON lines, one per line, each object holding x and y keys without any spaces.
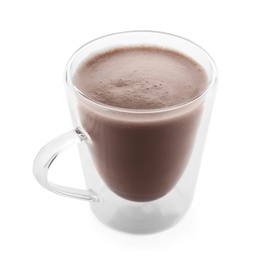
{"x":140,"y":165}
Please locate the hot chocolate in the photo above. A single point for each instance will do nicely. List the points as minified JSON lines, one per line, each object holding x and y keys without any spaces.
{"x":139,"y":155}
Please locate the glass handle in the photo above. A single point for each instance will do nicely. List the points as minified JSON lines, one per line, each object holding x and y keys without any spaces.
{"x":48,"y":154}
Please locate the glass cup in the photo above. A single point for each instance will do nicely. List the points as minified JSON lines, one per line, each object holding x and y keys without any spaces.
{"x":140,"y":165}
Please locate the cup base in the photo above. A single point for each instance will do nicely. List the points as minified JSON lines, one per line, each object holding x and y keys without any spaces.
{"x":140,"y":217}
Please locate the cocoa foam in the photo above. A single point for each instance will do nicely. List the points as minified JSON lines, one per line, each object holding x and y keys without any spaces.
{"x":140,"y":77}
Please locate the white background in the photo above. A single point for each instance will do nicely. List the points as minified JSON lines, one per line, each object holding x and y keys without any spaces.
{"x":37,"y":39}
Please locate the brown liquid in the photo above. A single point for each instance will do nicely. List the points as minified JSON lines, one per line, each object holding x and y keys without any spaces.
{"x":140,"y":156}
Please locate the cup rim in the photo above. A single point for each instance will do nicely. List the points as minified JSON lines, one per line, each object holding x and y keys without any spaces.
{"x":213,"y":80}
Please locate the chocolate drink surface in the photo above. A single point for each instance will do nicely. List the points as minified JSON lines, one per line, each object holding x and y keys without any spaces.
{"x":141,"y":156}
